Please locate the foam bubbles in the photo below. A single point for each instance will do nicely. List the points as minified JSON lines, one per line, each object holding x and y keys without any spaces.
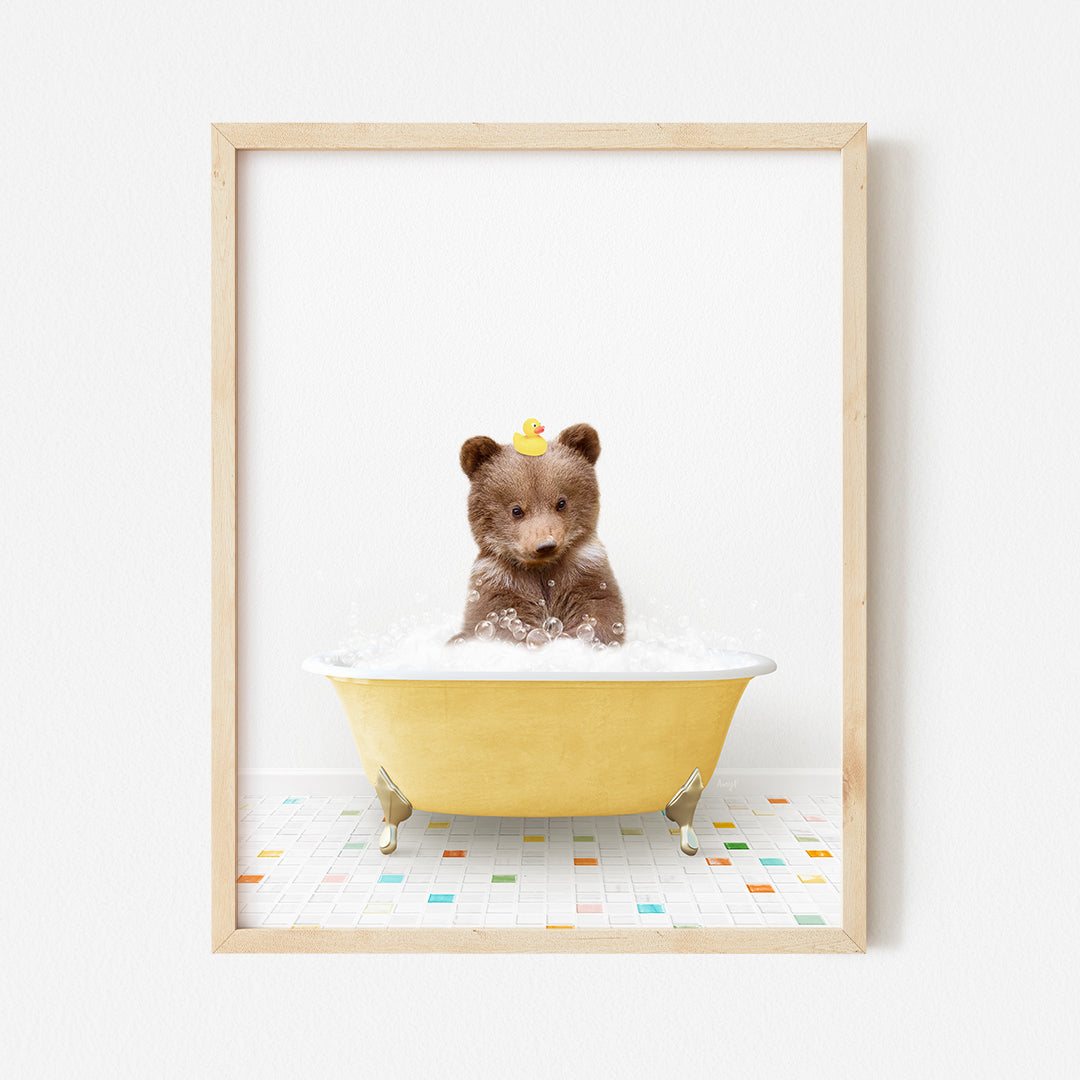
{"x":657,"y":637}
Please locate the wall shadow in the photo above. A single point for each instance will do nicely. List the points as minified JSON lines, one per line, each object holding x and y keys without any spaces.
{"x":894,"y":239}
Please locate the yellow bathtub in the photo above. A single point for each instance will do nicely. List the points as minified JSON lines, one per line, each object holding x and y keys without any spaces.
{"x":540,"y":744}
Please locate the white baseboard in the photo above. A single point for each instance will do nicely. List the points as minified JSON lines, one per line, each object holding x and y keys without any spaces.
{"x":778,"y":782}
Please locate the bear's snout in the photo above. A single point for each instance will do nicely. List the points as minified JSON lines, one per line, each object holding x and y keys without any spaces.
{"x":546,"y":548}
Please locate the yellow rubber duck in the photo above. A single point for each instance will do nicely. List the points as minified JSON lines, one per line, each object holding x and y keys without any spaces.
{"x":530,"y":443}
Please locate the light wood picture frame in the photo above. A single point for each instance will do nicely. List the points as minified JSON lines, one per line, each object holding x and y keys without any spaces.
{"x":227,"y":140}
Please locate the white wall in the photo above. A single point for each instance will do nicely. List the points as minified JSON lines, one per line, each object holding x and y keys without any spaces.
{"x":104,"y":435}
{"x":391,"y":305}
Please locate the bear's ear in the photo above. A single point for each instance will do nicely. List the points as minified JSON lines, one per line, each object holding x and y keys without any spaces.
{"x":583,"y":439}
{"x":475,"y":451}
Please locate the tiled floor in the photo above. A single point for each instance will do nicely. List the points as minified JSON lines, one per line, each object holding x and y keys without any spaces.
{"x":315,"y":861}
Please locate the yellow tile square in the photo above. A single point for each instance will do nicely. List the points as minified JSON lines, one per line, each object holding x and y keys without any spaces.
{"x":270,"y":854}
{"x":811,"y":879}
{"x":534,"y":839}
{"x":724,"y":824}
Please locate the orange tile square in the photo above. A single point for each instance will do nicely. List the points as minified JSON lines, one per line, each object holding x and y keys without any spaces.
{"x":534,"y":839}
{"x":250,"y":879}
{"x":453,"y":854}
{"x":586,"y":862}
{"x":778,"y":800}
{"x":761,"y":888}
{"x":820,"y":854}
{"x":718,"y":862}
{"x":560,"y":926}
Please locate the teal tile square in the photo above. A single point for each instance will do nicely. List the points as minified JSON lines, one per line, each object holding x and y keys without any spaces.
{"x":440,"y":898}
{"x":650,"y":909}
{"x":390,"y":879}
{"x":809,"y":920}
{"x":772,"y":862}
{"x":355,"y":846}
{"x":294,"y":800}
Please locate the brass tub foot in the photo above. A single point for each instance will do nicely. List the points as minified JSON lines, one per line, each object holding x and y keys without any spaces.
{"x":396,"y":808}
{"x":681,"y":811}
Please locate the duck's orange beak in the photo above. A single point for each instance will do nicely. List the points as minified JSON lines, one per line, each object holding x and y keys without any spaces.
{"x":539,"y":429}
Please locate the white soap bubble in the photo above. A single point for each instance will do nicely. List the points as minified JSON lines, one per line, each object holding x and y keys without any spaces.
{"x":519,"y":634}
{"x":492,"y":617}
{"x":553,"y":626}
{"x":618,"y":628}
{"x":485,"y":630}
{"x":599,"y":646}
{"x":511,"y":613}
{"x":516,"y":625}
{"x":585,"y":632}
{"x":535,"y":638}
{"x":551,"y":583}
{"x":603,"y":584}
{"x":473,"y":596}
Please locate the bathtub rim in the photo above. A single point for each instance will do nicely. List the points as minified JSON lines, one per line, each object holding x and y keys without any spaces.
{"x":758,"y":665}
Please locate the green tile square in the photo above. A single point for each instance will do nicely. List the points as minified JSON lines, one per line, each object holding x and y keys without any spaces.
{"x":809,"y":920}
{"x":633,"y":832}
{"x":737,"y":846}
{"x":505,"y":879}
{"x":584,"y":839}
{"x":803,"y":838}
{"x":355,"y":847}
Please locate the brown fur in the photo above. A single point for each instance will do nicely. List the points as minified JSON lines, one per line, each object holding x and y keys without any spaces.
{"x":509,"y":572}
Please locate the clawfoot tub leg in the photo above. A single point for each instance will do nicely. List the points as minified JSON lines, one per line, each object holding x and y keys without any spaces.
{"x":396,"y":808}
{"x":681,"y":811}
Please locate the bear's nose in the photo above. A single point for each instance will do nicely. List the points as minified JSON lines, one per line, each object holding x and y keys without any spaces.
{"x":546,"y":548}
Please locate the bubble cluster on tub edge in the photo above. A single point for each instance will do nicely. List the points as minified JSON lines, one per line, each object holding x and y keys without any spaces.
{"x":659,"y":640}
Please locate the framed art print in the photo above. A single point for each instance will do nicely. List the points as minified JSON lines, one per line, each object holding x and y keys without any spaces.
{"x":457,"y":706}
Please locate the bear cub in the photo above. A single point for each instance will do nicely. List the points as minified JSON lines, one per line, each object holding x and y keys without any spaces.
{"x":534,"y":519}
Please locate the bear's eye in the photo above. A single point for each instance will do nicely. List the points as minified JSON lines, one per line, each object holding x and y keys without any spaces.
{"x":561,"y":504}
{"x":518,"y":512}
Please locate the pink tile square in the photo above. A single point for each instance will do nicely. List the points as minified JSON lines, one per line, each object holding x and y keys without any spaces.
{"x":333,"y":878}
{"x":584,"y":908}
